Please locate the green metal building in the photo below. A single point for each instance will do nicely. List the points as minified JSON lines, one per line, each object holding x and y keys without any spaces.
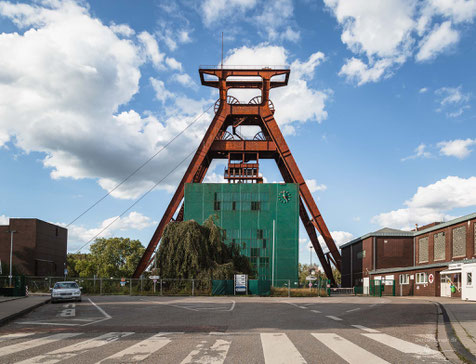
{"x":251,"y":214}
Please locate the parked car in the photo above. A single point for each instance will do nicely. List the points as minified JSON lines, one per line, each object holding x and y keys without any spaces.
{"x":65,"y":291}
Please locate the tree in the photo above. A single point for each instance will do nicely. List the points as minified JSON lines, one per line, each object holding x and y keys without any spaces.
{"x":191,"y":250}
{"x":113,"y":257}
{"x":305,"y":270}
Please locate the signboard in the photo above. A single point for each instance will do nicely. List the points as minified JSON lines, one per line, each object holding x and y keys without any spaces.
{"x":431,"y":278}
{"x":123,"y":282}
{"x":310,"y":278}
{"x":310,"y":284}
{"x":65,"y":272}
{"x":389,"y":280}
{"x":241,"y":283}
{"x":154,"y":277}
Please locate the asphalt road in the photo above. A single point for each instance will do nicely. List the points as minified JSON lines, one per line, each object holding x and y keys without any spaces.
{"x":122,"y":329}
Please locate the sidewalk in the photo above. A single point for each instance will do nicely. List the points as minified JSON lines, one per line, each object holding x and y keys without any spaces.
{"x":462,"y":316}
{"x":13,"y":307}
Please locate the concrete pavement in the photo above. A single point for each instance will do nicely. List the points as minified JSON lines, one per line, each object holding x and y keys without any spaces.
{"x":14,"y":307}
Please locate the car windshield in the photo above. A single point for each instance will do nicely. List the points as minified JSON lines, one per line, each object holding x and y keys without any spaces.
{"x":65,"y":285}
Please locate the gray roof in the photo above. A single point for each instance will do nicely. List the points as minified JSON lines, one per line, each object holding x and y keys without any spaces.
{"x":417,"y":267}
{"x":402,"y":233}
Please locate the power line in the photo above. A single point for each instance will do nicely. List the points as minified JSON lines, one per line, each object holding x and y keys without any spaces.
{"x":140,"y":167}
{"x":135,"y":202}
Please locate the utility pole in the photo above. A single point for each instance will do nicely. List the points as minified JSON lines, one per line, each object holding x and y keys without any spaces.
{"x":310,"y":256}
{"x":11,"y":255}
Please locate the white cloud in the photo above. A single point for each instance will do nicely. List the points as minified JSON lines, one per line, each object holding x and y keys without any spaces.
{"x":122,"y":29}
{"x":340,"y":237}
{"x":441,"y":38}
{"x":296,"y":102}
{"x":452,"y":100}
{"x":458,"y":148}
{"x":4,"y":220}
{"x":420,"y":152}
{"x":79,"y":235}
{"x":185,"y":80}
{"x":151,"y":49}
{"x":314,"y":186}
{"x":432,"y":203}
{"x":274,"y":21}
{"x":385,"y":34}
{"x":61,"y":86}
{"x":423,"y":90}
{"x":213,"y":10}
{"x":173,"y":64}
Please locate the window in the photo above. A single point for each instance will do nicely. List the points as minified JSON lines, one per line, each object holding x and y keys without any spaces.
{"x":421,"y":278}
{"x":233,"y":205}
{"x":361,"y":254}
{"x":469,"y":279}
{"x":459,"y":241}
{"x":255,"y":252}
{"x":404,"y":279}
{"x":264,"y":243}
{"x":216,"y":206}
{"x":224,"y":234}
{"x":263,"y":260}
{"x":439,"y":246}
{"x":423,"y":250}
{"x":259,"y":234}
{"x":255,"y":205}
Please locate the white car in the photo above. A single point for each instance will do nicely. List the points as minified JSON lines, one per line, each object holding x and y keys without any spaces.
{"x":65,"y":291}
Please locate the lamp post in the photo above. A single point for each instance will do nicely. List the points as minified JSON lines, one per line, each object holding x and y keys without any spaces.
{"x":11,"y":254}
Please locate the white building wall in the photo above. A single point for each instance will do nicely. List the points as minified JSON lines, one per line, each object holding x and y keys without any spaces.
{"x":468,"y":289}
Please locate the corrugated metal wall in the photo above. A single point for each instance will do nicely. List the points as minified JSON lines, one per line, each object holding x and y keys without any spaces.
{"x":246,"y":213}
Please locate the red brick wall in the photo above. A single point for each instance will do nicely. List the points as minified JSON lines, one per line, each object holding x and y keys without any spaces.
{"x":394,"y":252}
{"x":367,"y":261}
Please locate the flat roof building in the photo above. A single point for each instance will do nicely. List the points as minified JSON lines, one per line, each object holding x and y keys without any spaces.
{"x":39,"y":248}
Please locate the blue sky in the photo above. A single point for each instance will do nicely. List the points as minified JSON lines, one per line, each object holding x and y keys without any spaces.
{"x":379,"y":111}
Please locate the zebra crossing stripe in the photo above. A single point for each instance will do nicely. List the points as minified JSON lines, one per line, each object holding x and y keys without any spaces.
{"x":18,"y":335}
{"x":277,"y":348}
{"x":348,"y":350}
{"x":360,"y":327}
{"x":141,"y":350}
{"x":70,"y":351}
{"x":215,"y":355}
{"x":34,"y":343}
{"x":403,"y":346}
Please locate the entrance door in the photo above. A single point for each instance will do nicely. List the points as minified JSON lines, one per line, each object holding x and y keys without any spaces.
{"x":445,"y":286}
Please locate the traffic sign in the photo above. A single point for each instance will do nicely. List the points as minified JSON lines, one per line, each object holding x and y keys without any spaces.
{"x":154,"y":277}
{"x":310,"y":284}
{"x":311,"y":278}
{"x":431,"y":278}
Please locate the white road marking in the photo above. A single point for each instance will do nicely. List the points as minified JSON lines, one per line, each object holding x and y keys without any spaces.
{"x":141,"y":350}
{"x":354,"y":309}
{"x":360,"y":327}
{"x":70,"y":305}
{"x":316,"y":311}
{"x":334,"y":318}
{"x":215,"y":355}
{"x":69,"y":312}
{"x":66,"y":353}
{"x":45,"y":323}
{"x":18,"y":335}
{"x":7,"y":350}
{"x":100,"y":309}
{"x":277,"y":348}
{"x":302,"y":307}
{"x":348,"y":350}
{"x":404,"y":346}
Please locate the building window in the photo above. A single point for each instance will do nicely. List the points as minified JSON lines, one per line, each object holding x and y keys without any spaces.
{"x":264,"y":243}
{"x":439,"y":244}
{"x":459,"y":241}
{"x":255,"y":206}
{"x":469,"y":279}
{"x":255,"y":252}
{"x":233,"y":205}
{"x":404,"y":279}
{"x":421,"y":278}
{"x":259,"y":234}
{"x":423,"y":250}
{"x":216,"y":206}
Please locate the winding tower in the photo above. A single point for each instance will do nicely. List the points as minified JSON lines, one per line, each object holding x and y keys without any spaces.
{"x":222,"y":140}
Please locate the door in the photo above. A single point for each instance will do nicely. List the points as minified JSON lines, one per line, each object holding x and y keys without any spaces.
{"x":445,"y":286}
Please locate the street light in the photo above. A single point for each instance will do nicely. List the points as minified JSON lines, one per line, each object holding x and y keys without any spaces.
{"x":11,"y":254}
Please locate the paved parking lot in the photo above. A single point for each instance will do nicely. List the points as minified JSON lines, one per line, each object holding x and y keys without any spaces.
{"x":118,"y":329}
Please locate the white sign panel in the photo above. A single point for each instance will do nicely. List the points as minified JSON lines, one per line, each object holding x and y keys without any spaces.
{"x":241,"y":283}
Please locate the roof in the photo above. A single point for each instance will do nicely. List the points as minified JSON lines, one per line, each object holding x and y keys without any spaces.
{"x":402,"y":233}
{"x":418,"y":267}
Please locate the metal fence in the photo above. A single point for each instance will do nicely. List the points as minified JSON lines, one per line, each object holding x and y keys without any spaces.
{"x":163,"y":287}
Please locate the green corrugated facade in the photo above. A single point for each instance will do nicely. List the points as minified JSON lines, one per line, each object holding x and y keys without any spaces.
{"x":246,"y":213}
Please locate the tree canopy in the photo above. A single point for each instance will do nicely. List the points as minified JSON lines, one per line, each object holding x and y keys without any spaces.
{"x":191,"y":250}
{"x":112,"y":257}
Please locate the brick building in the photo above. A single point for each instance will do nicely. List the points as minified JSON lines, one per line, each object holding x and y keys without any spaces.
{"x":423,"y":262}
{"x":39,"y":248}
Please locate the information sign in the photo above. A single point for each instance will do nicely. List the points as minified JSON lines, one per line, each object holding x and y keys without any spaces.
{"x":241,"y":283}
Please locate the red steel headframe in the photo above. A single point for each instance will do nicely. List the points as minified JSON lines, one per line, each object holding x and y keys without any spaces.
{"x":230,"y":112}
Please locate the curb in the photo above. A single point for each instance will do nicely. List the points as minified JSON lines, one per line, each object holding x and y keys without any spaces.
{"x":15,"y":315}
{"x":454,"y":340}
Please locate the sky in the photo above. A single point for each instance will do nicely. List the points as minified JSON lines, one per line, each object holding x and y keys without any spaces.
{"x":379,"y":112}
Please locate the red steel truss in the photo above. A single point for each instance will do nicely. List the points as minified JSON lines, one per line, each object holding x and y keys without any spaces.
{"x":223,"y":141}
